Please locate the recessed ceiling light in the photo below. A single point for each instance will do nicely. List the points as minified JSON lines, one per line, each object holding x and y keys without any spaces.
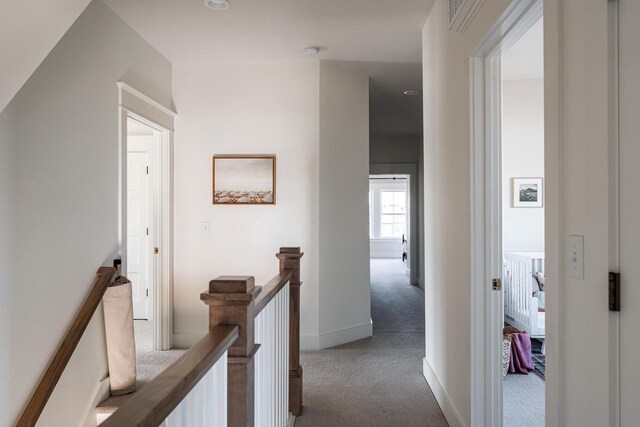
{"x":217,"y":4}
{"x":411,"y":92}
{"x":311,"y":51}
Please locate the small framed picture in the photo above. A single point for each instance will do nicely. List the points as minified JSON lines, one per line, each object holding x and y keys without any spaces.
{"x":527,"y":192}
{"x":244,"y":179}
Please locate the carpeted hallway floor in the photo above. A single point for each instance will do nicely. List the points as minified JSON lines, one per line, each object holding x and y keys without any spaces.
{"x":376,"y":381}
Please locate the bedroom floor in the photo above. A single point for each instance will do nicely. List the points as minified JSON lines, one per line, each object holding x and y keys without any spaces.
{"x":523,"y":400}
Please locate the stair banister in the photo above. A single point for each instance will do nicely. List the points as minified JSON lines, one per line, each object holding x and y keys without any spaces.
{"x":63,"y":354}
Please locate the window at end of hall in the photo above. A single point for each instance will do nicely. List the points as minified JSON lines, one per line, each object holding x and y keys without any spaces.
{"x":387,"y":213}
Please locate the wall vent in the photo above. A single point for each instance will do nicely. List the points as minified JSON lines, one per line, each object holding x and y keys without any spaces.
{"x":454,"y":7}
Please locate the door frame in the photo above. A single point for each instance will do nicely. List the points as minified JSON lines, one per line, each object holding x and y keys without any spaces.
{"x":487,"y":315}
{"x":137,"y":106}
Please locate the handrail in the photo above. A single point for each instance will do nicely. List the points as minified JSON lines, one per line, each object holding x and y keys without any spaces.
{"x":150,"y":406}
{"x":271,"y":289}
{"x":56,"y":367}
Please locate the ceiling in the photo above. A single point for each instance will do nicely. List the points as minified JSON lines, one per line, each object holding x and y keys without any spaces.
{"x":525,"y":59}
{"x":29,"y":29}
{"x":355,"y":30}
{"x":391,"y":112}
{"x":380,"y":38}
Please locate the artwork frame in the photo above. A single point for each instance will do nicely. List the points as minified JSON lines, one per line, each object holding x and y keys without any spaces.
{"x":243,"y":179}
{"x":527,"y":192}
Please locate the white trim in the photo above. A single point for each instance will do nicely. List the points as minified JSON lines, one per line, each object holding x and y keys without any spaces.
{"x":309,"y":342}
{"x":614,"y":206}
{"x":291,"y":421}
{"x":100,"y":394}
{"x":123,"y":87}
{"x":184,"y":340}
{"x":451,"y":413}
{"x":486,"y":210}
{"x":345,"y":335}
{"x":414,"y":188}
{"x":143,"y":109}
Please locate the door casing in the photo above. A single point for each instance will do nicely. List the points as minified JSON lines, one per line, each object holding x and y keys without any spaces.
{"x":137,"y":106}
{"x":486,"y":216}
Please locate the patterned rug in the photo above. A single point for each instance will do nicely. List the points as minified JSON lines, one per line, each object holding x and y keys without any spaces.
{"x":538,"y":357}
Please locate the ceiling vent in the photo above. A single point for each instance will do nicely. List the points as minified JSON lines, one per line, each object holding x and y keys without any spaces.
{"x":454,"y":7}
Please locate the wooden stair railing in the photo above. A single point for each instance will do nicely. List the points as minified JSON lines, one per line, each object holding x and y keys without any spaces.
{"x":56,"y":367}
{"x":153,"y":403}
{"x":236,"y":300}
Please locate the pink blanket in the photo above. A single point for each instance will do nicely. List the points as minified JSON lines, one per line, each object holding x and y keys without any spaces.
{"x":520,"y":361}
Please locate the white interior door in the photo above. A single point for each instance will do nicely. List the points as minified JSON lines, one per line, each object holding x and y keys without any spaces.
{"x":138,"y":222}
{"x":629,"y":54}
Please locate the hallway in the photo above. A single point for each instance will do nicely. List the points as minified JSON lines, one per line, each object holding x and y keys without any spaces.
{"x":376,"y":381}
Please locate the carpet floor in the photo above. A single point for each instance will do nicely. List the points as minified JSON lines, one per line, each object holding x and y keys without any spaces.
{"x":523,"y":400}
{"x":376,"y":381}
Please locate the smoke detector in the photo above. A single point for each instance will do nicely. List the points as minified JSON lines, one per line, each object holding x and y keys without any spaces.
{"x":217,"y":4}
{"x":311,"y":51}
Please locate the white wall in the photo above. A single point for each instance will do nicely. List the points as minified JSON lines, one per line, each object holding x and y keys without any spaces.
{"x":395,"y":149}
{"x":447,"y":204}
{"x":244,"y":108}
{"x":576,"y":202}
{"x":522,"y":156}
{"x":313,"y":116}
{"x":7,"y":252}
{"x":64,"y":190}
{"x":345,"y":304}
{"x":580,"y":163}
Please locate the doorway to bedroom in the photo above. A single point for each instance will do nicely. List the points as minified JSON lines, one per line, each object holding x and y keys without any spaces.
{"x":523,"y":242}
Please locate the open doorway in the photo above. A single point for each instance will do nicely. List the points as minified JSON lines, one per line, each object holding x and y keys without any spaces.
{"x":509,"y":319}
{"x":397,"y":305}
{"x":523,"y":240}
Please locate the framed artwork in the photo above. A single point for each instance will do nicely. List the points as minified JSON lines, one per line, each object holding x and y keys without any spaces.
{"x":244,"y":180}
{"x":527,"y":192}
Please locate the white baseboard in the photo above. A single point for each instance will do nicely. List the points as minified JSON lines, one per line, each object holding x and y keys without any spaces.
{"x":309,"y":342}
{"x":345,"y":335}
{"x":101,"y":393}
{"x":291,"y":420}
{"x":448,"y":408}
{"x":184,"y":340}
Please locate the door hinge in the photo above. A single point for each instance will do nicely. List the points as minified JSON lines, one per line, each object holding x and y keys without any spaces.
{"x":614,"y":291}
{"x":147,"y":231}
{"x":147,"y":170}
{"x":147,"y":293}
{"x":155,"y":251}
{"x":496,"y":284}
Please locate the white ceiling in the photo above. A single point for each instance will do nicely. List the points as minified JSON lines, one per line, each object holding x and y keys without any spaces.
{"x":391,"y":112}
{"x":29,"y":29}
{"x":381,"y":38}
{"x":525,"y":59}
{"x":354,"y":30}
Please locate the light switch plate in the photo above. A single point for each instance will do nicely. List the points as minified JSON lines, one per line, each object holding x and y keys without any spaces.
{"x":576,"y":257}
{"x":206,"y":227}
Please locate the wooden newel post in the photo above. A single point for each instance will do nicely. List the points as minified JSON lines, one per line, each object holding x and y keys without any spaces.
{"x":290,"y":261}
{"x":231,"y":301}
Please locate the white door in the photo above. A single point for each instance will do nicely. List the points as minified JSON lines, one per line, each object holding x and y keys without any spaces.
{"x":138,"y":222}
{"x":629,"y":54}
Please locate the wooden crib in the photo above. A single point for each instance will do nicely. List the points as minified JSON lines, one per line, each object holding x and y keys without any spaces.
{"x":522,"y":308}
